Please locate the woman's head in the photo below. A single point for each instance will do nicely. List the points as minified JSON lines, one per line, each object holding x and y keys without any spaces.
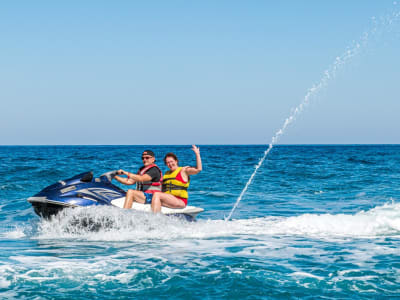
{"x":171,"y":161}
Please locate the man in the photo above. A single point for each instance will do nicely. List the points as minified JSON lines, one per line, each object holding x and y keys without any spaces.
{"x":148,"y":181}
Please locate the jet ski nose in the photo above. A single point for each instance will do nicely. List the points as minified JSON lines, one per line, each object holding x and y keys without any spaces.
{"x":80,"y":190}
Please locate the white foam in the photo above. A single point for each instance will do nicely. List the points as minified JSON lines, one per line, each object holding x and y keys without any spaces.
{"x":4,"y":283}
{"x":213,"y":272}
{"x":122,"y":278}
{"x":90,"y":272}
{"x":306,"y":275}
{"x":17,"y":233}
{"x":147,"y":241}
{"x":115,"y":224}
{"x":5,"y":272}
{"x":382,"y":220}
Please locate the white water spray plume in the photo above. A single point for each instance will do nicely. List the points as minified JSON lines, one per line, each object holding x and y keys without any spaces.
{"x":328,"y":75}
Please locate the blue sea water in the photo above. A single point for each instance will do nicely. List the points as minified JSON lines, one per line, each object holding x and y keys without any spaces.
{"x":317,"y":222}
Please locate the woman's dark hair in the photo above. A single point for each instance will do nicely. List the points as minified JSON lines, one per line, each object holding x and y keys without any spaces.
{"x":170,"y":154}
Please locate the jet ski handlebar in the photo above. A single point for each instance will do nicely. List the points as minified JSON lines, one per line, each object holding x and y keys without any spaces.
{"x":110,"y":175}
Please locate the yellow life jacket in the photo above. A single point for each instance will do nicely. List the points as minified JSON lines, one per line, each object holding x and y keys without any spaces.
{"x":173,"y":184}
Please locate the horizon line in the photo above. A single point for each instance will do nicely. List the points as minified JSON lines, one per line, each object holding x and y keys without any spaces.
{"x":289,"y":144}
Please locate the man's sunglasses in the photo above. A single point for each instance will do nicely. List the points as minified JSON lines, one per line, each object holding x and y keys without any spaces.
{"x":146,"y":157}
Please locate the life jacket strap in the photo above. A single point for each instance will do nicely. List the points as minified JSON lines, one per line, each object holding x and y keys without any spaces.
{"x":169,"y":187}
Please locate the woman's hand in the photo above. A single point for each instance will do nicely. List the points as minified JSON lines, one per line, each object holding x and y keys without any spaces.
{"x":196,"y":150}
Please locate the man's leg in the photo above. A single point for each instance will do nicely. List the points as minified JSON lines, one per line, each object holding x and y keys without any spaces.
{"x":134,"y":195}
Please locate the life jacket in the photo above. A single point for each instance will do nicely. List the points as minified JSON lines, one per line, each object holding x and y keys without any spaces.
{"x":149,"y":186}
{"x":173,"y":184}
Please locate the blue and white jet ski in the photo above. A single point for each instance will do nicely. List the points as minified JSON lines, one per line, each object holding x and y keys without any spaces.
{"x":85,"y":190}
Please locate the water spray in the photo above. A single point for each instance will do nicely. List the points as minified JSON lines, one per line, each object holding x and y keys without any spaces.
{"x":328,"y":75}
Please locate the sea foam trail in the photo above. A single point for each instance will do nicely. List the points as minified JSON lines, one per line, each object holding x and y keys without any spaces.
{"x":328,"y":75}
{"x":379,"y":221}
{"x":113,"y":224}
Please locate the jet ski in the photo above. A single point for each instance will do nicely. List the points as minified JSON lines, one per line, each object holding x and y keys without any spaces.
{"x":84,"y":190}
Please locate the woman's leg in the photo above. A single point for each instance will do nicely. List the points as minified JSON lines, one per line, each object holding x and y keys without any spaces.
{"x":168,"y":200}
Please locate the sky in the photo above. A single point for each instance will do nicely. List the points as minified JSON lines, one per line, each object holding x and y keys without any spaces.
{"x":197,"y":72}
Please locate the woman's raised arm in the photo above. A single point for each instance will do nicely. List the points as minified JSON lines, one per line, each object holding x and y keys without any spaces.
{"x":199,"y":167}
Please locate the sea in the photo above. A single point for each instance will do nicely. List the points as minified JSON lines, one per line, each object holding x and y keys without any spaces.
{"x":317,"y":222}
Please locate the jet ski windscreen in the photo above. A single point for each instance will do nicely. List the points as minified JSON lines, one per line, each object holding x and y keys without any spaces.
{"x":87,"y":177}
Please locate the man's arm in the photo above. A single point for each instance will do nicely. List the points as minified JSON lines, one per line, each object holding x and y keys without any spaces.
{"x":125,"y":180}
{"x":131,"y":178}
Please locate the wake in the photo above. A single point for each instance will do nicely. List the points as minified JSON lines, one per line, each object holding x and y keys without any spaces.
{"x":114,"y":224}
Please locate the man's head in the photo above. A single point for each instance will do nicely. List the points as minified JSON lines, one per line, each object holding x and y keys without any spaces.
{"x":148,"y":157}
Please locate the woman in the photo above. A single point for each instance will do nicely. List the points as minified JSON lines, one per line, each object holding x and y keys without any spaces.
{"x":175,"y":183}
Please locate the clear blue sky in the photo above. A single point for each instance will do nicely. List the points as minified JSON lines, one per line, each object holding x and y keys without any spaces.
{"x":204,"y":72}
